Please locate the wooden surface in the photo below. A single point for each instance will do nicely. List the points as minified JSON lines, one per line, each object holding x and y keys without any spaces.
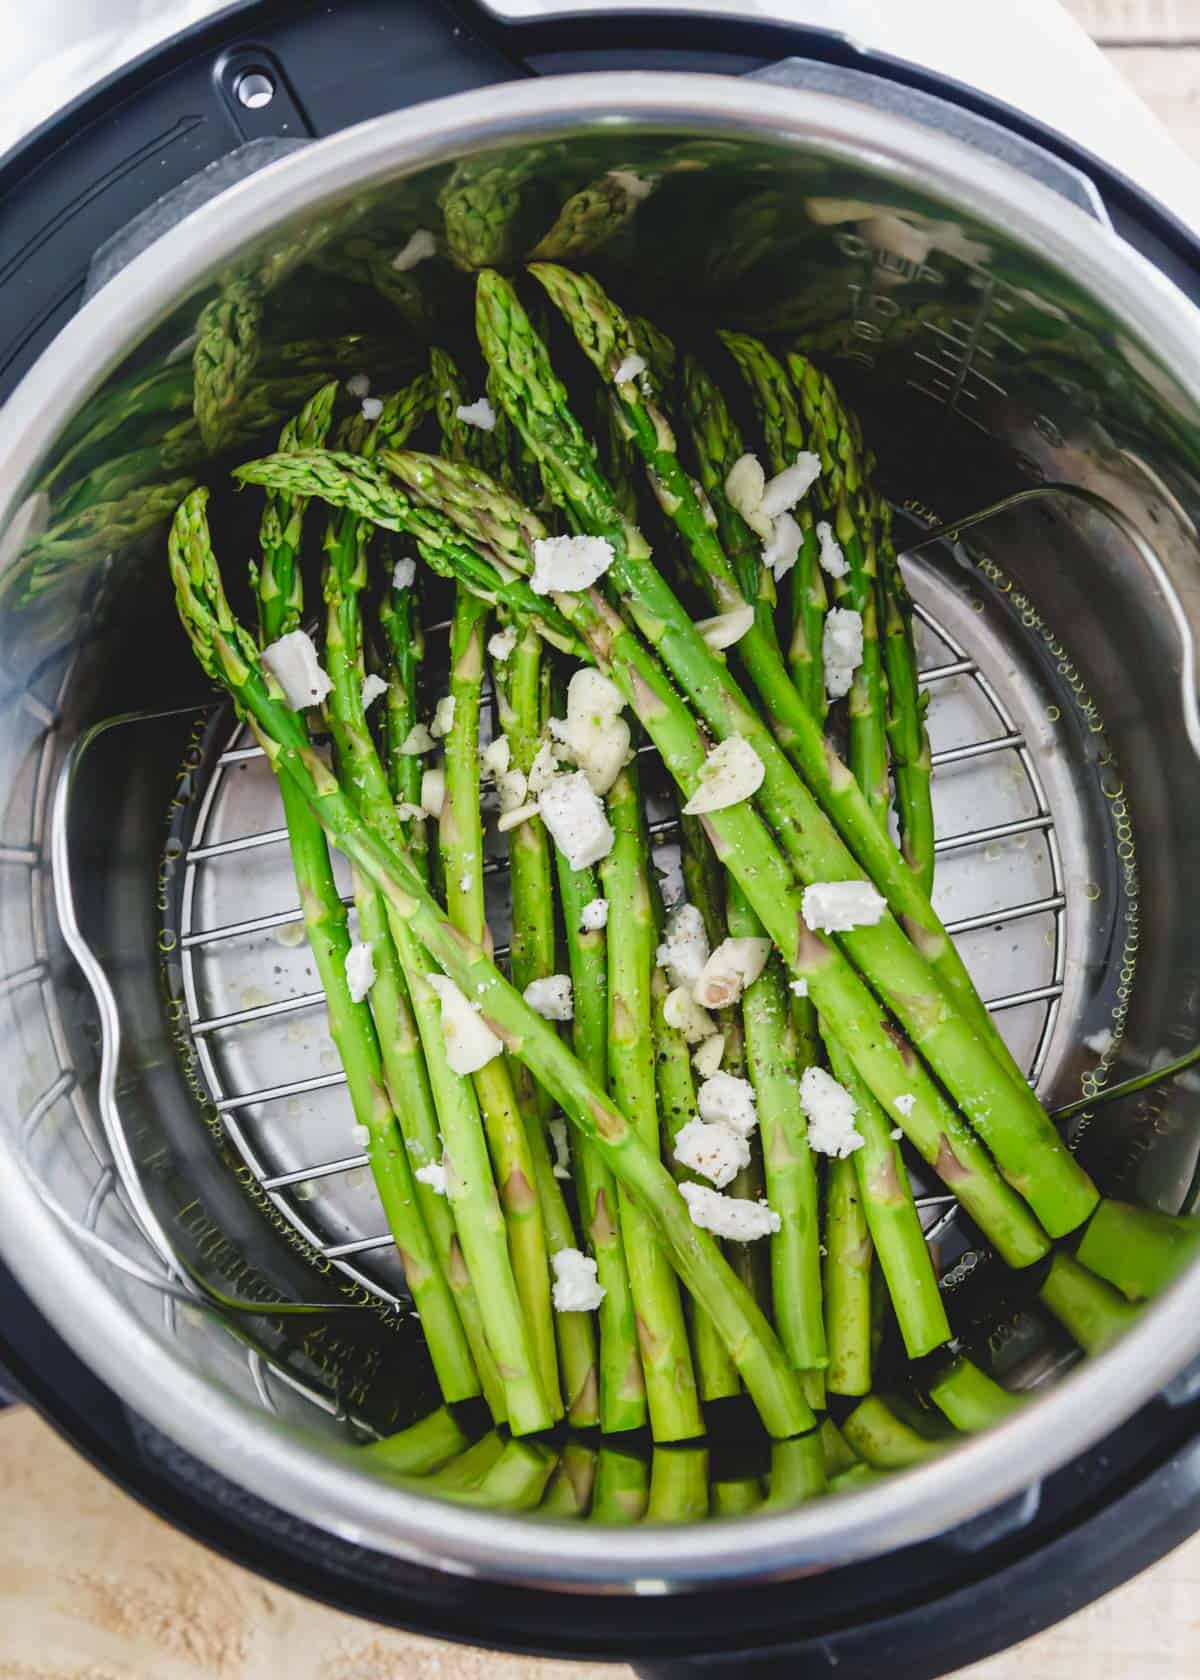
{"x":93,"y":1588}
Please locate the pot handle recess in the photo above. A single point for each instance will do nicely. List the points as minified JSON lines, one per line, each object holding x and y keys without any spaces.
{"x":945,"y":117}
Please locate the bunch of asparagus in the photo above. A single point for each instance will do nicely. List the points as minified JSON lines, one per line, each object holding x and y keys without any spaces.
{"x":757,"y":1061}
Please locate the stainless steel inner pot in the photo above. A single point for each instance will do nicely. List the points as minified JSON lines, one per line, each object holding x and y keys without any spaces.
{"x":176,"y":1147}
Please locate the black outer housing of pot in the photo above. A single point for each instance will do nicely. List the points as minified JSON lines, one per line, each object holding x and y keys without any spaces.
{"x":67,"y":190}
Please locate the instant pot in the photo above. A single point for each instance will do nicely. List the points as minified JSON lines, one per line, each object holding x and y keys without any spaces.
{"x":197,"y":1292}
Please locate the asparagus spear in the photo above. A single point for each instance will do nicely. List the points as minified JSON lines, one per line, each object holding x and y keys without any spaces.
{"x":622,"y":1385}
{"x":227,"y":348}
{"x":971,"y":1400}
{"x":666,"y":1358}
{"x":227,"y":655}
{"x":847,"y":1282}
{"x":999,"y":1103}
{"x":521,"y":683}
{"x":526,"y":1192}
{"x":569,"y":1493}
{"x":715,"y":1375}
{"x":797,"y":1472}
{"x":891,"y":1435}
{"x":678,"y":1485}
{"x":785,"y":437}
{"x":885,"y":1194}
{"x":419,"y":1449}
{"x":621,"y":1488}
{"x":739,"y":836}
{"x":402,"y":988}
{"x":377,"y":1107}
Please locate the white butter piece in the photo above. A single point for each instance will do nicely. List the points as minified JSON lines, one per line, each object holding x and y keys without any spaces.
{"x":501,"y":644}
{"x":360,"y":971}
{"x":782,"y":492}
{"x":418,"y":248}
{"x":551,"y":997}
{"x":831,"y":557}
{"x":734,"y":965}
{"x":575,"y":819}
{"x":434,"y":1175}
{"x":726,"y":628}
{"x":594,"y":915}
{"x":417,"y":741}
{"x":576,"y":1286}
{"x":443,"y":717}
{"x":568,"y":563}
{"x":838,"y":906}
{"x":707,"y":1058}
{"x":433,"y":791}
{"x":716,"y":1152}
{"x":831,"y":1113}
{"x":782,"y":548}
{"x":373,"y":686}
{"x":681,"y":1011}
{"x":404,"y":574}
{"x":684,"y":950}
{"x":841,"y":649}
{"x":728,"y":1100}
{"x":479,"y":413}
{"x":729,"y":1216}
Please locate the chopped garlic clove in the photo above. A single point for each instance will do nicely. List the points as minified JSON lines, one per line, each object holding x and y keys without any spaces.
{"x":725,"y":1099}
{"x":470,"y":1043}
{"x":372,"y":688}
{"x":495,"y":758}
{"x":707,"y":1059}
{"x":575,"y":819}
{"x":838,"y":906}
{"x":782,"y":548}
{"x":568,"y":563}
{"x":360,"y":971}
{"x":744,"y":485}
{"x":782,"y":492}
{"x":684,"y":951}
{"x":729,"y":1216}
{"x":433,"y":791}
{"x":419,"y":247}
{"x":293,"y":662}
{"x":681,"y":1011}
{"x":831,"y":1112}
{"x":593,"y":734}
{"x":514,"y":819}
{"x":443,"y":717}
{"x":551,"y":997}
{"x":715,"y":1152}
{"x":512,"y":788}
{"x":734,"y":965}
{"x":727,"y":627}
{"x":417,"y":741}
{"x":732,"y":772}
{"x":629,"y":369}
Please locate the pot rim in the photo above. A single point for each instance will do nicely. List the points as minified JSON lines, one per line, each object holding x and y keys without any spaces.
{"x":259,"y":1451}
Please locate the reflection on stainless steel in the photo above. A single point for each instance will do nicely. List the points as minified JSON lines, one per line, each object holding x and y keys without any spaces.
{"x":183,"y":1108}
